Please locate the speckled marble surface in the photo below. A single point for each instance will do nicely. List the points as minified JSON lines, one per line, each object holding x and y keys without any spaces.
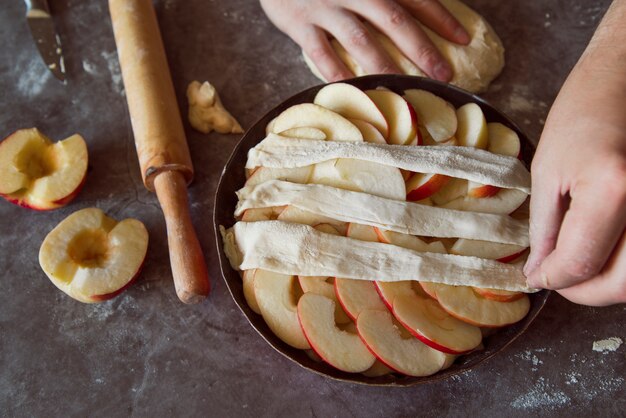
{"x":144,"y":353}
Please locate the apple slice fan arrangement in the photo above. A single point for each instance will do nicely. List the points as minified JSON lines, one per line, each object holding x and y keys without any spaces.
{"x":383,"y":232}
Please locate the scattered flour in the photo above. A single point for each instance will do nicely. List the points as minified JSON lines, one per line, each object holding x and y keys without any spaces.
{"x":541,"y":396}
{"x":33,"y":77}
{"x":605,"y":346}
{"x":90,"y":68}
{"x":114,"y":68}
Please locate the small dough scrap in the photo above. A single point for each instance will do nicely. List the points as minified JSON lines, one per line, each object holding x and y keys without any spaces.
{"x":206,"y":111}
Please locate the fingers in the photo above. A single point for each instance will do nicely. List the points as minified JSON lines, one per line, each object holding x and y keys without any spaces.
{"x":436,"y":17}
{"x":608,"y":288}
{"x":547,"y":208}
{"x":590,"y":230}
{"x":315,"y":44}
{"x":360,"y":43}
{"x":393,"y":20}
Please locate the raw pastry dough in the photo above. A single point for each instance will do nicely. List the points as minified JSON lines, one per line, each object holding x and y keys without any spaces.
{"x":206,"y":112}
{"x":295,"y":249}
{"x":400,"y":216}
{"x":462,"y":162}
{"x":474,"y":65}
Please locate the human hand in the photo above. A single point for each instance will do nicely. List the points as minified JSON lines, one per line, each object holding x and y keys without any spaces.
{"x":578,"y":203}
{"x":310,"y":22}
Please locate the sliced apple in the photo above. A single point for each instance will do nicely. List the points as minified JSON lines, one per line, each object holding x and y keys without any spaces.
{"x":299,"y":175}
{"x":478,"y":190}
{"x":503,"y":140}
{"x":351,"y":102}
{"x":262,"y":214}
{"x":362,"y":176}
{"x":421,"y":186}
{"x":300,"y":216}
{"x":409,"y":241}
{"x":434,"y":113}
{"x":277,"y":298}
{"x":453,"y":189}
{"x":39,"y":174}
{"x":334,"y":126}
{"x":369,"y":132}
{"x":472,"y":127}
{"x":504,"y":253}
{"x":305,"y":132}
{"x":399,"y":114}
{"x":362,"y":232}
{"x":341,"y":349}
{"x":469,"y":306}
{"x":503,"y":202}
{"x":378,"y":369}
{"x":248,"y":290}
{"x":92,"y":257}
{"x":394,"y":346}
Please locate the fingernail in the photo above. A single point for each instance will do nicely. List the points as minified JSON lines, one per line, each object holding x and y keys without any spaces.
{"x":462,"y":36}
{"x":538,"y":280}
{"x":442,"y":72}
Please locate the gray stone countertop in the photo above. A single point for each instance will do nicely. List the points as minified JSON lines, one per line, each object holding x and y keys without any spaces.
{"x":146,"y":354}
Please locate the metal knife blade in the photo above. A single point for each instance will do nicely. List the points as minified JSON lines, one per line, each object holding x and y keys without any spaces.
{"x":47,"y":40}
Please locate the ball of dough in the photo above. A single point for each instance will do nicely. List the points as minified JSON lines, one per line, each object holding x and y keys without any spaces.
{"x":474,"y":66}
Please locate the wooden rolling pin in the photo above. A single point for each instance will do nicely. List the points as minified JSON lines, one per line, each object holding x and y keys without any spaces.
{"x":159,"y":138}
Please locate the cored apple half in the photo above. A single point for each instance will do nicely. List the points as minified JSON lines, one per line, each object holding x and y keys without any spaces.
{"x":394,"y":346}
{"x":38,"y":174}
{"x":92,"y":257}
{"x":277,"y":297}
{"x":339,"y":348}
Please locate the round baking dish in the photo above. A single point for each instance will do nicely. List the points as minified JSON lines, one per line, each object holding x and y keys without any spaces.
{"x":233,"y":178}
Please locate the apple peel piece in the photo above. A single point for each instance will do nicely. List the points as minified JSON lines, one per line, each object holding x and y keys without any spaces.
{"x":341,"y":349}
{"x":92,"y":257}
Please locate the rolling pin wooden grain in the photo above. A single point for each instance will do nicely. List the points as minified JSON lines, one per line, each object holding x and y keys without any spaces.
{"x":159,"y":138}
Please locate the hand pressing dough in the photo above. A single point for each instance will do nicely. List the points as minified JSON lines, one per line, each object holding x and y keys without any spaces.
{"x":206,"y":112}
{"x":475,"y":66}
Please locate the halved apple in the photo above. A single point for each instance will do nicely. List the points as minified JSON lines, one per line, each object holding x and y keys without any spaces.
{"x":341,"y":349}
{"x":369,"y":132}
{"x":420,"y":186}
{"x":434,"y":113}
{"x":394,"y":346}
{"x":248,"y":290}
{"x":39,"y":174}
{"x":277,"y":296}
{"x":361,"y":176}
{"x":467,"y":305}
{"x":92,"y":257}
{"x":334,"y":126}
{"x":351,"y":102}
{"x":399,"y":114}
{"x":472,"y":127}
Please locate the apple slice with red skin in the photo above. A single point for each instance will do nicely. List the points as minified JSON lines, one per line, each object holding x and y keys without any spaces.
{"x":351,"y":102}
{"x":502,"y":141}
{"x":369,"y":132}
{"x":339,"y":348}
{"x":296,"y":215}
{"x":277,"y":297}
{"x":378,"y":369}
{"x":455,"y":188}
{"x":423,"y":185}
{"x":467,"y":305}
{"x":400,"y":116}
{"x":38,"y":174}
{"x":504,"y":253}
{"x":504,"y":202}
{"x":92,"y":257}
{"x":358,"y":295}
{"x":434,"y":113}
{"x":409,"y":241}
{"x":395,"y":347}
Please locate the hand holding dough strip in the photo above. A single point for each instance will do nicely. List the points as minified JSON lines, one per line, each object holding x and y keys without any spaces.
{"x":159,"y":138}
